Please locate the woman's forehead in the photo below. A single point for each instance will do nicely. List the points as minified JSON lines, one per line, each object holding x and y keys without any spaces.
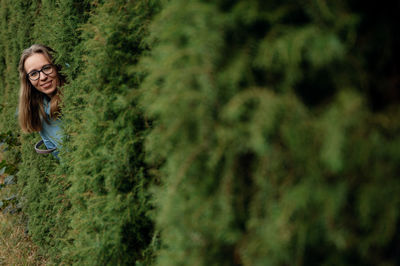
{"x":35,"y":62}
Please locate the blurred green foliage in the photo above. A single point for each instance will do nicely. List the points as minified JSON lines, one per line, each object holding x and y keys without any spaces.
{"x":212,"y":132}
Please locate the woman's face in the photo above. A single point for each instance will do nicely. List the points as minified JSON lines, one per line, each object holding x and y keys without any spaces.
{"x":46,"y":83}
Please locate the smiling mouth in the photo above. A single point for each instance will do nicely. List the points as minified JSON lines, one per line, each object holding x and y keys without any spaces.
{"x":46,"y":85}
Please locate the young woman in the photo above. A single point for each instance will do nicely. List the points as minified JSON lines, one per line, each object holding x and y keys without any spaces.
{"x":39,"y":99}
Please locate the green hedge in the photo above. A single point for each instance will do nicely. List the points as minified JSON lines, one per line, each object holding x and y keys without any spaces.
{"x":212,"y":132}
{"x":108,"y":175}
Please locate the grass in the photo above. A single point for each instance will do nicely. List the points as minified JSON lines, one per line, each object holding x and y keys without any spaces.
{"x":16,"y":248}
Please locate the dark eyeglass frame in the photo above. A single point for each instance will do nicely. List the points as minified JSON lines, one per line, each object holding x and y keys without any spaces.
{"x":41,"y":70}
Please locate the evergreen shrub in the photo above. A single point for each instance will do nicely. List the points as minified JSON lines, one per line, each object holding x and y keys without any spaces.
{"x":264,"y":140}
{"x":211,"y":132}
{"x":110,"y":223}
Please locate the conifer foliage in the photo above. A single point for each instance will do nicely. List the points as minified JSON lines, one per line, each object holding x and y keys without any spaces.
{"x":257,"y":132}
{"x":108,"y":175}
{"x":211,"y":132}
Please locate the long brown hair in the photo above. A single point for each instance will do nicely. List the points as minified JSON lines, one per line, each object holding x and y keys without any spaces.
{"x":31,"y":111}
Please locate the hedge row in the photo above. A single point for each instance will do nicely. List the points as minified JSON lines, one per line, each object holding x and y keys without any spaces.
{"x":212,"y":132}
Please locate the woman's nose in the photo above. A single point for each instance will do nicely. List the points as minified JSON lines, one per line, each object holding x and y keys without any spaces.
{"x":43,"y":76}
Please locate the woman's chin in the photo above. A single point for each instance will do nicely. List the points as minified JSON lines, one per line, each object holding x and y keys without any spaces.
{"x":48,"y":91}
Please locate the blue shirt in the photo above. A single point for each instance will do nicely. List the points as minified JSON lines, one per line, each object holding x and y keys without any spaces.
{"x":51,"y":133}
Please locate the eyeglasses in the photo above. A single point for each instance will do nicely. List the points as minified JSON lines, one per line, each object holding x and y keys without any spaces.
{"x":35,"y":74}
